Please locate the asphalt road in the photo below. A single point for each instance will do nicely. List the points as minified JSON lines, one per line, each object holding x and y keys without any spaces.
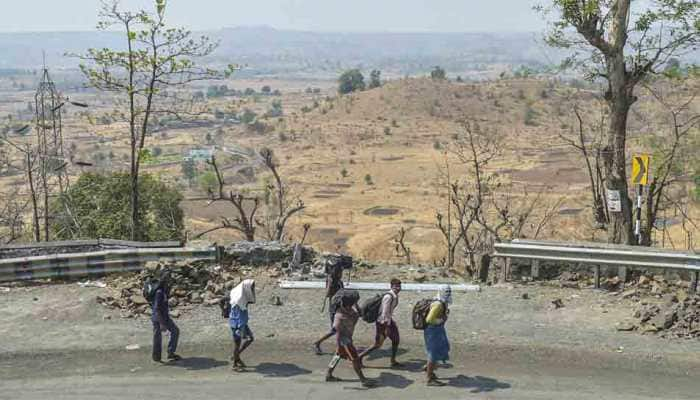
{"x":288,"y":370}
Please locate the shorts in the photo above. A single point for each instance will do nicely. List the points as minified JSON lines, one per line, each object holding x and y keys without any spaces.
{"x":347,"y":352}
{"x":383,"y":331}
{"x":242,"y":332}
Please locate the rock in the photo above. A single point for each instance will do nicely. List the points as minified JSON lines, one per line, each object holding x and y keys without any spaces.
{"x":643,"y":280}
{"x":175,"y":314}
{"x":525,"y":296}
{"x":649,"y":328}
{"x":569,"y":285}
{"x":276,"y":301}
{"x":558,"y":303}
{"x":658,"y":288}
{"x":263,"y":253}
{"x":568,"y":276}
{"x":139,"y":300}
{"x":626,"y":326}
{"x":629,"y":293}
{"x":133,"y":347}
{"x":420,"y":278}
{"x":681,"y":296}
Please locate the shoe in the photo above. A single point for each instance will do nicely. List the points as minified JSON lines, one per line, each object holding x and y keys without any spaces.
{"x":331,"y":378}
{"x":396,"y":364}
{"x":369,"y":383}
{"x":436,"y":383}
{"x":174,"y":357}
{"x":240,"y":364}
{"x":157,"y":360}
{"x":317,"y":349}
{"x":237,"y":368}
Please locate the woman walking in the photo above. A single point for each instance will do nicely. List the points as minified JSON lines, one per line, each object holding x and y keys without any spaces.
{"x":437,"y":346}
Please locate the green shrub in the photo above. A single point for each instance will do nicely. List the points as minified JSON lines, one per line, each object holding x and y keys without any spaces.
{"x":100,"y":207}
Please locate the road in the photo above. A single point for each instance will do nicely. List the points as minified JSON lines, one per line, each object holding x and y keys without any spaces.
{"x":288,"y":370}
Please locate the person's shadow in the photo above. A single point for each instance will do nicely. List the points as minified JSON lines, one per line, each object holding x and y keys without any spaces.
{"x":280,"y":370}
{"x":197,"y":363}
{"x":477,"y":384}
{"x":387,"y":379}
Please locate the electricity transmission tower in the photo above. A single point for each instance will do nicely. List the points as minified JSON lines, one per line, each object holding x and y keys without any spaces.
{"x":52,"y":167}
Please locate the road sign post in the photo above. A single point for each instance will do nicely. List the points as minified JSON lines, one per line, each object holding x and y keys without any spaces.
{"x":640,"y":178}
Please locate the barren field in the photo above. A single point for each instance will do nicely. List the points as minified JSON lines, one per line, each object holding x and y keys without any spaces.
{"x":369,"y":163}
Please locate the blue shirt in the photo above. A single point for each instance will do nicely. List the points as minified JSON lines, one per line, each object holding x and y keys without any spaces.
{"x":238,"y":318}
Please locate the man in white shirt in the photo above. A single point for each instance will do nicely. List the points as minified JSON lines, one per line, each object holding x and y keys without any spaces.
{"x":386,"y":326}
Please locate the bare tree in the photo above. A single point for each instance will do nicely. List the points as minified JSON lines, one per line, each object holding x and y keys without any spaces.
{"x":673,"y":150}
{"x":246,"y":207}
{"x":402,"y":250}
{"x":485,"y":209}
{"x":586,"y":138}
{"x":12,"y":210}
{"x":282,"y":204}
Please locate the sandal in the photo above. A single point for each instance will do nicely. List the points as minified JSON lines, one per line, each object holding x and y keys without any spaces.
{"x":436,"y":383}
{"x":332,"y":378}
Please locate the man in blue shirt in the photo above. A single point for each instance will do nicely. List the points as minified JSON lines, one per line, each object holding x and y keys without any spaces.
{"x":160,"y":317}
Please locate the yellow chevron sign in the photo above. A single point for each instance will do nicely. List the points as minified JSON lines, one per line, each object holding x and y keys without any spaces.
{"x":640,"y":169}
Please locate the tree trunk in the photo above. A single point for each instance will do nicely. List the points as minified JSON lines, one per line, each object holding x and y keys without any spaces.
{"x":135,"y":225}
{"x":620,"y":99}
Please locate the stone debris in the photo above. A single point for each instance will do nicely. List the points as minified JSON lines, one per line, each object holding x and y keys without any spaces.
{"x":558,"y":303}
{"x":665,"y":308}
{"x":201,"y":283}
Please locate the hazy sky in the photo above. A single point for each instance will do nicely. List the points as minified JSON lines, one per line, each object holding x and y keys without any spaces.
{"x":321,"y":15}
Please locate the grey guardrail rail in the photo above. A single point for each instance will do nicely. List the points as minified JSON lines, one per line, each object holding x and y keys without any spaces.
{"x":598,"y":254}
{"x":96,"y":262}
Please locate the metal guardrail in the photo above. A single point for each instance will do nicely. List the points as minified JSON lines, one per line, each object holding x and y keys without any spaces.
{"x":598,"y":254}
{"x":96,"y":263}
{"x":93,"y":242}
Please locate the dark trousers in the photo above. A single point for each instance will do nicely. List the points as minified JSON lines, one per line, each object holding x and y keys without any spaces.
{"x":158,"y":338}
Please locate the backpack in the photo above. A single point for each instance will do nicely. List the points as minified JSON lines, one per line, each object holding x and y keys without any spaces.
{"x":347,"y":296}
{"x":225,"y":306}
{"x":339,"y":262}
{"x":420,"y":313}
{"x":150,"y":286}
{"x":370,"y":308}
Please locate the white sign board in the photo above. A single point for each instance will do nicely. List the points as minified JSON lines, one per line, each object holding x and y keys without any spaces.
{"x":614,"y":202}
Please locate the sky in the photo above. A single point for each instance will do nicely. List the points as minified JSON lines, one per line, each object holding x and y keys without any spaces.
{"x":312,"y":15}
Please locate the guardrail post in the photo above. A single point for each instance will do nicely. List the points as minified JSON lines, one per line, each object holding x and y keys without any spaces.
{"x":622,"y":274}
{"x":535,"y":269}
{"x":694,"y":283}
{"x":596,"y":276}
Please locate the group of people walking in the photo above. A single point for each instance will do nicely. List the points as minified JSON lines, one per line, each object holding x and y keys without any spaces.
{"x":344,"y":310}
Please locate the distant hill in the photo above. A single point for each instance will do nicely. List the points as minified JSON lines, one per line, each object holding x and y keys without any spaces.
{"x":270,"y":51}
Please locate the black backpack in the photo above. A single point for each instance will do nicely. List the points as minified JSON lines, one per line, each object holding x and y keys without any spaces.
{"x":371,"y":307}
{"x":150,"y":286}
{"x":225,"y":306}
{"x":420,"y":313}
{"x":347,"y":296}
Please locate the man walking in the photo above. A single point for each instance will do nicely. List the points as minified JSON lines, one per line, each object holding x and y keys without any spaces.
{"x":345,"y":320}
{"x":334,"y":282}
{"x":386,"y":326}
{"x":160,"y":317}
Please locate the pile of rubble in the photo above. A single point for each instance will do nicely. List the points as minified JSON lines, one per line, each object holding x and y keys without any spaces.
{"x":666,"y":308}
{"x":201,"y":283}
{"x":191,"y":284}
